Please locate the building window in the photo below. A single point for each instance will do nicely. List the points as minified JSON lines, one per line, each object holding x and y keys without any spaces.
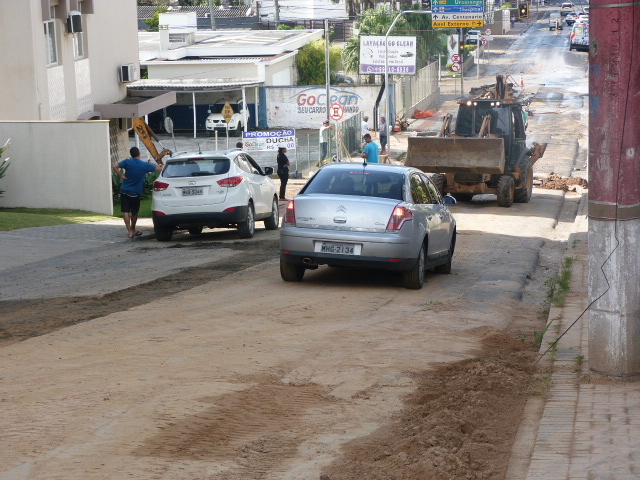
{"x":78,"y":46}
{"x":50,"y":42}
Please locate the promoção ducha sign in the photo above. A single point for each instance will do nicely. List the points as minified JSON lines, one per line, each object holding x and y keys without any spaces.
{"x":268,"y":140}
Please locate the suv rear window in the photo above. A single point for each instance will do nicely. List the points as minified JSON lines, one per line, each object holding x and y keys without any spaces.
{"x":196,"y":167}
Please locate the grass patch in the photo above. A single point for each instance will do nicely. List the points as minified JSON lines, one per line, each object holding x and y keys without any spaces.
{"x":13,"y":218}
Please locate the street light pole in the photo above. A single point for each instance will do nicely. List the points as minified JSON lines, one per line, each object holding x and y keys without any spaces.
{"x":390,"y":117}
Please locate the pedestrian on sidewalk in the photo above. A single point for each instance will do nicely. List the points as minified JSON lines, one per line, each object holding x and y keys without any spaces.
{"x":364,"y":126}
{"x":370,"y":152}
{"x":325,"y":136}
{"x":132,"y":187}
{"x":283,"y":171}
{"x":384,"y":135}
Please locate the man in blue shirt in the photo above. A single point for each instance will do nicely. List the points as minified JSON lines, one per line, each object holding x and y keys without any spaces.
{"x":370,"y":152}
{"x":132,"y":187}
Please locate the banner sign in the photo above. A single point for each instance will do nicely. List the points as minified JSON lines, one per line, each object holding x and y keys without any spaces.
{"x":268,"y":140}
{"x":400,"y":55}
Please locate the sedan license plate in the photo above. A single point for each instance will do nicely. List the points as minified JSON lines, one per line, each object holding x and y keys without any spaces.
{"x":192,"y":191}
{"x":338,"y":248}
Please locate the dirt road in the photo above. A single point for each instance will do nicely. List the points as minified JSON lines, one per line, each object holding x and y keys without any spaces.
{"x":216,"y":369}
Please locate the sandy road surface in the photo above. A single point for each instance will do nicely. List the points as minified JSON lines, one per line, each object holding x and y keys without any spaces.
{"x":245,"y":376}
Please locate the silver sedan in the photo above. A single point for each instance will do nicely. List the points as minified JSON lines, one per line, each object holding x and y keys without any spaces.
{"x":368,"y":215}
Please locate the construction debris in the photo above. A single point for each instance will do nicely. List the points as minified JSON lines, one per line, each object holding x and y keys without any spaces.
{"x":568,"y":184}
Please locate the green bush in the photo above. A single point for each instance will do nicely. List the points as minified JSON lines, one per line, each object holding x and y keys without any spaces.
{"x":310,"y":63}
{"x":5,"y":163}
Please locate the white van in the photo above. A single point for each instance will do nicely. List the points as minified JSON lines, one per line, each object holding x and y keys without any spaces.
{"x":567,"y":8}
{"x":555,"y":21}
{"x":473,"y":37}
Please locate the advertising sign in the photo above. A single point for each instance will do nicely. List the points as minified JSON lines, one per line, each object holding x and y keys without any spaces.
{"x":268,"y":140}
{"x":400,"y":54}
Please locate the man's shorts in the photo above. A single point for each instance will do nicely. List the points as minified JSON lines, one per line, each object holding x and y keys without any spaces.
{"x":129,"y":204}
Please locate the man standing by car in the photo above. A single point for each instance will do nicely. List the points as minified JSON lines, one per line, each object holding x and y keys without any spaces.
{"x":370,"y":152}
{"x":132,"y":187}
{"x":325,"y":134}
{"x":283,"y":171}
{"x":384,"y":135}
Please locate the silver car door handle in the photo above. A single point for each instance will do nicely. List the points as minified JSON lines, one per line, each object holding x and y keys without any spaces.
{"x":339,"y":219}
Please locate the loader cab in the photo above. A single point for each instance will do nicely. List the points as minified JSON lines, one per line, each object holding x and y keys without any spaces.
{"x":506,"y":122}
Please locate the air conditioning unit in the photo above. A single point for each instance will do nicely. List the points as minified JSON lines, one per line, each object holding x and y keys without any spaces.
{"x":129,"y":73}
{"x":74,"y":22}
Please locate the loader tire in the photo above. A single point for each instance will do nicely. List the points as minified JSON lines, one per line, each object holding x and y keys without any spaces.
{"x":523,"y":195}
{"x":439,"y":180}
{"x":506,"y":190}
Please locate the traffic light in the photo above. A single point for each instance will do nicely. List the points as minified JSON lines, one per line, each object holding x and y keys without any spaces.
{"x":523,"y":10}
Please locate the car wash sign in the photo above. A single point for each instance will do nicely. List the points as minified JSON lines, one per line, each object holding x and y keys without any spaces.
{"x":268,"y":140}
{"x":398,"y":53}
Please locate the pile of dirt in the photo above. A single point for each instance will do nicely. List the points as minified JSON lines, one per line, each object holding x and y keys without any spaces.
{"x":568,"y":184}
{"x":459,"y":424}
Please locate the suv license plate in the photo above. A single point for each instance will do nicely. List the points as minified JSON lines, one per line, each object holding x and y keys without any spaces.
{"x":192,"y":191}
{"x":339,"y":248}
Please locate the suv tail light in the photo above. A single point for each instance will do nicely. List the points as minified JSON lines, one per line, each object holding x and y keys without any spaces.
{"x":398,"y":218}
{"x":290,"y":213}
{"x":230,"y":181}
{"x":160,"y":186}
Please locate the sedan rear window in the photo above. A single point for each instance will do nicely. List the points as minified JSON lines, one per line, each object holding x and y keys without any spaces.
{"x":196,"y":167}
{"x":357,"y":182}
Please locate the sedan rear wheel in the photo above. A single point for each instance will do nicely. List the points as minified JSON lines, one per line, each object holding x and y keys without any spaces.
{"x":414,"y":279}
{"x":271,"y":223}
{"x":195,"y":230}
{"x":290,"y":272}
{"x":248,"y":227}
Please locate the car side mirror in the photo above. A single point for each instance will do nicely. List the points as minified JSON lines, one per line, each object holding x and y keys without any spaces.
{"x":449,"y":200}
{"x":209,"y":112}
{"x":268,"y":170}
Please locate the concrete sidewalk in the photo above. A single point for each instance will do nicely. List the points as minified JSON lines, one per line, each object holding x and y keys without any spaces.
{"x":590,"y":427}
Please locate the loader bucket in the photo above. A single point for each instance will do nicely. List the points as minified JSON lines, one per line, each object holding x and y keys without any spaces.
{"x":456,"y":154}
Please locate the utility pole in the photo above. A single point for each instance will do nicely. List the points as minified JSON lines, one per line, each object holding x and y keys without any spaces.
{"x":614,"y":190}
{"x":327,"y":58}
{"x":276,"y":6}
{"x":212,"y":14}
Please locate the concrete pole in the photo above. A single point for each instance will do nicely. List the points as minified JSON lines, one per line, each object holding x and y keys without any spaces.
{"x":276,"y":6}
{"x":212,"y":10}
{"x":614,"y":190}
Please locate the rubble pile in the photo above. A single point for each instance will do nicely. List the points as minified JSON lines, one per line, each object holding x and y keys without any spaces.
{"x":558,"y":182}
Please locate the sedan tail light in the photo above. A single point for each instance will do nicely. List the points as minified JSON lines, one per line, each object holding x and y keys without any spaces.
{"x":230,"y":181}
{"x":398,"y":218}
{"x":290,"y":213}
{"x":160,"y":186}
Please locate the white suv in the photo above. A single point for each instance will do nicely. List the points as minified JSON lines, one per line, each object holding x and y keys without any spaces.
{"x":214,"y":190}
{"x":216,"y":121}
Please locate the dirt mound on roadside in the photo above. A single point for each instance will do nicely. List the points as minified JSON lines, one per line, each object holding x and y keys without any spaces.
{"x":459,"y":424}
{"x":558,"y":182}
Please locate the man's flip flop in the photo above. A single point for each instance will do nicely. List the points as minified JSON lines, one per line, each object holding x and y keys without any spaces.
{"x":138,"y":233}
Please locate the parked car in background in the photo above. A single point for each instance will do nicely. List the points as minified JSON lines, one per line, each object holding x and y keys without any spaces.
{"x":216,"y":120}
{"x":566,"y":8}
{"x":197,"y":190}
{"x":350,"y":215}
{"x":570,"y":19}
{"x":473,"y":37}
{"x":579,"y":37}
{"x":583,"y":17}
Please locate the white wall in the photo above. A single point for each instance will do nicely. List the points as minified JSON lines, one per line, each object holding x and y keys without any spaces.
{"x":57,"y":165}
{"x":305,"y":107}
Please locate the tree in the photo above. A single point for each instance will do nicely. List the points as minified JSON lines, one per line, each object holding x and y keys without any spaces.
{"x":154,"y":21}
{"x":311,"y":63}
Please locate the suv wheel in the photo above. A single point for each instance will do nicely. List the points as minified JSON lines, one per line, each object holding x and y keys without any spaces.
{"x":163,"y":234}
{"x":271,"y":223}
{"x":248,"y":227}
